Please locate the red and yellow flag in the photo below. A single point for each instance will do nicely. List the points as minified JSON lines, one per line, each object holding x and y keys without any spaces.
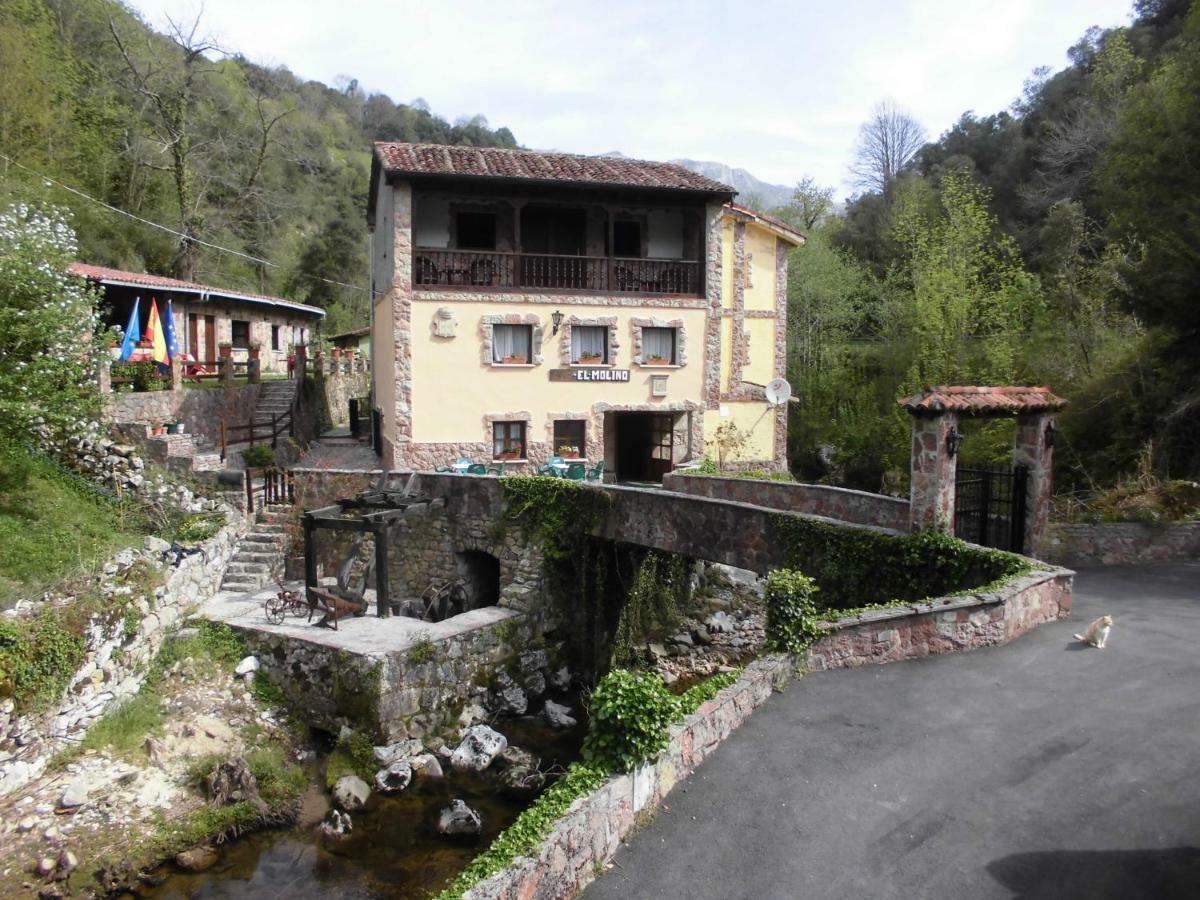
{"x":154,"y":334}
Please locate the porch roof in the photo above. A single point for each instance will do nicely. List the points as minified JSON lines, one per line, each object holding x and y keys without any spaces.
{"x":121,"y":278}
{"x":981,"y":400}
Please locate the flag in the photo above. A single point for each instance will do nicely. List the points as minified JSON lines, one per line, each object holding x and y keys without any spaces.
{"x":154,"y":334}
{"x":169,"y":332}
{"x":133,"y":332}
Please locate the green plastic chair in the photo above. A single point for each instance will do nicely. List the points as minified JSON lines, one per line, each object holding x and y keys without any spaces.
{"x":596,"y":473}
{"x":548,"y":471}
{"x":477,"y":469}
{"x":556,"y":460}
{"x":496,"y":470}
{"x":576,"y":472}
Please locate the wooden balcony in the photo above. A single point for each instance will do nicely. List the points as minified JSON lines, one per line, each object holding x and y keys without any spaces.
{"x":493,"y":270}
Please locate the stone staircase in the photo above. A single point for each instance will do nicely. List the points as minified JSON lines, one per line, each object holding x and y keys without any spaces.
{"x":275,"y":399}
{"x":259,"y":552}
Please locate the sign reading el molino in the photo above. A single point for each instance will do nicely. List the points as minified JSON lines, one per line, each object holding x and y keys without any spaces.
{"x":589,"y":374}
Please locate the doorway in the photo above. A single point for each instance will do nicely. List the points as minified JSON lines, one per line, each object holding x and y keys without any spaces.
{"x":645,"y":445}
{"x":210,"y":340}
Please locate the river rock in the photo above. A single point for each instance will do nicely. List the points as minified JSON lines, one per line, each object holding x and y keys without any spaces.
{"x":535,"y":684}
{"x":701,"y":637}
{"x":559,"y":716}
{"x":394,"y":778}
{"x":458,"y":818}
{"x":683,"y":639}
{"x":351,"y":792}
{"x":477,"y":750}
{"x":74,"y":796}
{"x":533,"y":661}
{"x":560,"y":679}
{"x":509,"y":696}
{"x":246,"y":666}
{"x":398,"y":751}
{"x":156,"y":545}
{"x":521,"y":782}
{"x":197,"y":859}
{"x":719,"y":623}
{"x":46,"y":865}
{"x":426,"y":765}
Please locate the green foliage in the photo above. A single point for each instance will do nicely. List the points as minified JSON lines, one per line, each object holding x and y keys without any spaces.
{"x":124,"y":729}
{"x":266,"y":691}
{"x":699,"y":694}
{"x":144,"y":375}
{"x":258,"y":456}
{"x":354,"y":754}
{"x":791,"y":612}
{"x":38,"y":656}
{"x":198,"y":528}
{"x":709,"y":467}
{"x":660,"y":586}
{"x":422,"y":651}
{"x":851,"y":566}
{"x":48,"y":324}
{"x":531,"y":826}
{"x":628,"y":719}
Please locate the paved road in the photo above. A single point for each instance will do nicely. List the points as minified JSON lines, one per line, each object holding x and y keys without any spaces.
{"x":1037,"y":770}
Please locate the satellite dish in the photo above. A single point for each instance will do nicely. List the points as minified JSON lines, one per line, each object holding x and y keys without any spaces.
{"x":778,"y":391}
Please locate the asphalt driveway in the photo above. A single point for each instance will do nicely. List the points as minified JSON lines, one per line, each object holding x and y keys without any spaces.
{"x":1041,"y":769}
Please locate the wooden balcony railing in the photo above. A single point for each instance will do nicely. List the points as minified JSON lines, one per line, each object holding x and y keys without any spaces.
{"x":483,"y":269}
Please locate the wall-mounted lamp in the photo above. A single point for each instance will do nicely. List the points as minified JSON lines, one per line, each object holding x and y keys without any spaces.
{"x":954,"y":440}
{"x":1051,"y":430}
{"x":556,"y":318}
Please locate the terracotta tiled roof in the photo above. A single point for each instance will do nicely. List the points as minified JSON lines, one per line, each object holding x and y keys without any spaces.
{"x":530,"y":165}
{"x":105,"y":275}
{"x":976,"y":400}
{"x":775,"y":224}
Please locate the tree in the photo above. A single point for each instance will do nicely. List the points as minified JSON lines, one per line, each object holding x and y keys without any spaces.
{"x":886,"y":142}
{"x":810,"y":204}
{"x":48,"y":321}
{"x":169,"y":81}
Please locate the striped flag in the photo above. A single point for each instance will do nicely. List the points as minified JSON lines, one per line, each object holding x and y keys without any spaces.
{"x":154,"y":334}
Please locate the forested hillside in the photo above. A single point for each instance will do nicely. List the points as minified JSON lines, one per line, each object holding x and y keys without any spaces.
{"x":1056,"y":242}
{"x":173,"y":129}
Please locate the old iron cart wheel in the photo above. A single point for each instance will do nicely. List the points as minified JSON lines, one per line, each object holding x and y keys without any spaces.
{"x":275,"y":609}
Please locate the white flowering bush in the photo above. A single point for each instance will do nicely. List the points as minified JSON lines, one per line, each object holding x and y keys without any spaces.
{"x":48,"y":332}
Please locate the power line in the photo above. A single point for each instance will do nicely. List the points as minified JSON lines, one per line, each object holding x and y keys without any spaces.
{"x":172,"y":231}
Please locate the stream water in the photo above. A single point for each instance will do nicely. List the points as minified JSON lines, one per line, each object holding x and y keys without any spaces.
{"x":395,"y":849}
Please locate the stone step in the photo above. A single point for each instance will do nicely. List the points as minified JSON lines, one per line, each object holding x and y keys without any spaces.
{"x":243,"y":555}
{"x":268,"y":528}
{"x":263,"y":540}
{"x":273,"y":516}
{"x":241,"y":583}
{"x":259,"y":569}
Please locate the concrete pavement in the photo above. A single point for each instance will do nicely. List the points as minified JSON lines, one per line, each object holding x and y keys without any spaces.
{"x":1040,"y":769}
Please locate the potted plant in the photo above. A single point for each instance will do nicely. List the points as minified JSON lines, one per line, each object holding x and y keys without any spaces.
{"x":590,"y":359}
{"x":255,"y":349}
{"x":513,"y":451}
{"x":157,"y":429}
{"x":225,"y":348}
{"x":657,"y":361}
{"x":516,"y":360}
{"x":568,"y":451}
{"x":336,"y":352}
{"x":349,"y":353}
{"x":175,"y":428}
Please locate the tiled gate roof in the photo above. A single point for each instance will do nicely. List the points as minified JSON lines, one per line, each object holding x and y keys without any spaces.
{"x":981,"y":400}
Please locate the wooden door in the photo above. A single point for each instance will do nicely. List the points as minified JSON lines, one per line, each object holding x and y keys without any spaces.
{"x":662,"y":445}
{"x":193,"y":336}
{"x":210,"y":340}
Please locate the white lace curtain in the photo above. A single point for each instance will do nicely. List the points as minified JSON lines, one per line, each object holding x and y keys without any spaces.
{"x":658,"y":342}
{"x":511,"y":340}
{"x":587,"y":340}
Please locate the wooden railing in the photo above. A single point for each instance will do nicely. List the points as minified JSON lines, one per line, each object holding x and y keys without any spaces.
{"x":483,"y":269}
{"x":252,"y":432}
{"x":275,"y":485}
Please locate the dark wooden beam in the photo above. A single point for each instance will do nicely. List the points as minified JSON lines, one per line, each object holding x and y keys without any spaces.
{"x":383,"y":603}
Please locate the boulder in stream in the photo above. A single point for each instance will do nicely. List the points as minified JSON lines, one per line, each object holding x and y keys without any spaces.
{"x":477,"y":750}
{"x":509,"y":698}
{"x":394,"y":778}
{"x":197,"y":859}
{"x":398,"y":751}
{"x":351,"y":792}
{"x":559,"y":716}
{"x":458,"y":819}
{"x":426,"y":765}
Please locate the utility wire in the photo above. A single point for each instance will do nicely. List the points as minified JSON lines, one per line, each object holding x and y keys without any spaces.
{"x":172,"y":231}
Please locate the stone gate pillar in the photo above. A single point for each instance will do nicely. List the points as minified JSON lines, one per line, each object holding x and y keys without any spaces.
{"x":933,"y":468}
{"x":1033,"y":448}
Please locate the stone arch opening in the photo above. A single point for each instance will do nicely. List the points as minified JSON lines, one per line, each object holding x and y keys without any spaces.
{"x":479,"y":572}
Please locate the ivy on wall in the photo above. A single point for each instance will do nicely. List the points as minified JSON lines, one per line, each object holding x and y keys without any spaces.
{"x":791,"y":611}
{"x":857,"y":567}
{"x":659,"y":589}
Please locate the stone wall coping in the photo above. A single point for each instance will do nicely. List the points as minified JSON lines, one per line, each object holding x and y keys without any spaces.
{"x":301,"y":470}
{"x":1006,"y":591}
{"x":898,"y":502}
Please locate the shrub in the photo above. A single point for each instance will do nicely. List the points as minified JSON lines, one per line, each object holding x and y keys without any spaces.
{"x":791,"y":613}
{"x":197,"y":529}
{"x":258,"y":456}
{"x":630,"y":715}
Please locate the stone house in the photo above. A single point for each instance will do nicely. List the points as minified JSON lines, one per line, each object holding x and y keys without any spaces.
{"x":533,"y":304}
{"x":207,"y":316}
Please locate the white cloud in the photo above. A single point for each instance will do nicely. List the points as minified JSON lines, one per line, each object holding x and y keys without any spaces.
{"x":778,"y":88}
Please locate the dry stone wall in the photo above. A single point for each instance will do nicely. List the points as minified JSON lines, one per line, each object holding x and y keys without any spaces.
{"x":1120,"y":543}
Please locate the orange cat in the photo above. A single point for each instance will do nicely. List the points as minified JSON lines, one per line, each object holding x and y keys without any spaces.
{"x":1097,"y":632}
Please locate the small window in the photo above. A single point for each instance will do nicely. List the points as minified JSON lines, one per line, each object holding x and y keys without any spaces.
{"x":475,"y":231}
{"x":275,"y":337}
{"x":658,"y":346}
{"x":241,"y":334}
{"x":512,"y":344}
{"x":589,"y":345}
{"x":627,"y":239}
{"x":569,"y":438}
{"x":508,"y":440}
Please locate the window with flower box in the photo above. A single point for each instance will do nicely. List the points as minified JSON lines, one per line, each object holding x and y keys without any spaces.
{"x":512,"y":344}
{"x":508,"y":440}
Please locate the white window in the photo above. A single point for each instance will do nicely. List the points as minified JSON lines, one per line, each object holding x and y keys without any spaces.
{"x":658,"y":346}
{"x":589,"y":344}
{"x":512,"y":344}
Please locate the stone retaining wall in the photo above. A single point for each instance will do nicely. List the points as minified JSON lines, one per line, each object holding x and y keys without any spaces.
{"x":945,"y":625}
{"x":202,"y":410}
{"x":1119,"y":543}
{"x":116,"y":662}
{"x":856,"y":507}
{"x":593,"y":828}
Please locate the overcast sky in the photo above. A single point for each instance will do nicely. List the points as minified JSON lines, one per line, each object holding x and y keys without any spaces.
{"x":778,"y":88}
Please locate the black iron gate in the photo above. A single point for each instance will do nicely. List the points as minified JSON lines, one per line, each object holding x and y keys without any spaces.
{"x":989,"y":506}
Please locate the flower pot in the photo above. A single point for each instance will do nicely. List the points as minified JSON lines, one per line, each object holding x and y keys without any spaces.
{"x":657,"y":361}
{"x":516,"y":361}
{"x":336,"y":352}
{"x":255,"y":352}
{"x":157,"y":431}
{"x":226,"y":350}
{"x":175,"y":428}
{"x":590,"y":360}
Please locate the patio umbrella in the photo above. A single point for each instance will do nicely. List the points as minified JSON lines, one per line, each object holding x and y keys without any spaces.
{"x":133,"y":333}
